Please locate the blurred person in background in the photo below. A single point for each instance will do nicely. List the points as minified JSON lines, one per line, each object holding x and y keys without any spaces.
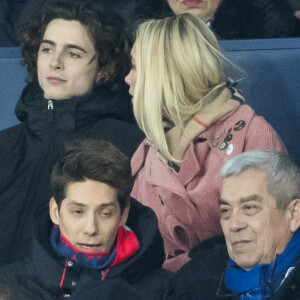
{"x":240,"y":19}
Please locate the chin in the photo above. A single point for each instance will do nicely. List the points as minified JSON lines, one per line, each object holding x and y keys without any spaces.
{"x":55,"y":96}
{"x":246,"y":264}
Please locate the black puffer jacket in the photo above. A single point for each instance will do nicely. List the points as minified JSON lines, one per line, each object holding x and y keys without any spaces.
{"x":29,"y":151}
{"x":139,"y":277}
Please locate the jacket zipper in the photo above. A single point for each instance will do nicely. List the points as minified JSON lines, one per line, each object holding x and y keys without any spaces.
{"x":104,"y":273}
{"x":50,"y":111}
{"x":51,"y":141}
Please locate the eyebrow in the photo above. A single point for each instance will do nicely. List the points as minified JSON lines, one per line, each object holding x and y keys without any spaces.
{"x":67,"y":46}
{"x":253,"y":197}
{"x":73,"y":202}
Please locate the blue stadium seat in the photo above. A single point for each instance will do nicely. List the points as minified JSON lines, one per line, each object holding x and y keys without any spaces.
{"x":12,"y":81}
{"x":272,"y":85}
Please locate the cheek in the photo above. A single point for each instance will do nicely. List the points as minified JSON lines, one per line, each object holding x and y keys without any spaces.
{"x":40,"y":68}
{"x":110,"y":236}
{"x":69,"y":229}
{"x":112,"y":227}
{"x":42,"y":61}
{"x":224,"y":226}
{"x":82,"y":80}
{"x":91,"y":74}
{"x":133,"y":79}
{"x":265,"y":237}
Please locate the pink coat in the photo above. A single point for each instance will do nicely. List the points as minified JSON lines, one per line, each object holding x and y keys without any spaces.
{"x":186,"y":203}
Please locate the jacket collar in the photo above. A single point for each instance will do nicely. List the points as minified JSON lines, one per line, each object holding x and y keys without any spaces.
{"x":141,"y":220}
{"x":65,"y":116}
{"x":192,"y":163}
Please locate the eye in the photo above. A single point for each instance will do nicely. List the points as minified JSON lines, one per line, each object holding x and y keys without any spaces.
{"x":251,"y":209}
{"x":225,"y":212}
{"x":77,"y":212}
{"x":73,"y":55}
{"x":46,"y":50}
{"x":106,"y":213}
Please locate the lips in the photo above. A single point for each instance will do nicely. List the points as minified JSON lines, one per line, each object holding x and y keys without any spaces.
{"x":55,"y":80}
{"x":90,"y":248}
{"x":240,"y":243}
{"x":192,"y":3}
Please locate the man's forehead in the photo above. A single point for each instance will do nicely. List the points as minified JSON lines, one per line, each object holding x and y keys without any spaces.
{"x":91,"y":193}
{"x":250,"y":185}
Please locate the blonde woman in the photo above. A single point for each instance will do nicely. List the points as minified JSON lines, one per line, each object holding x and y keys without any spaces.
{"x":194,"y":120}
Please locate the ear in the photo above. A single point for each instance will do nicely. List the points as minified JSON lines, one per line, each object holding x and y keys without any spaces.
{"x":293,"y":211}
{"x":124,"y":215}
{"x":99,"y":77}
{"x":53,"y":211}
{"x":102,"y":76}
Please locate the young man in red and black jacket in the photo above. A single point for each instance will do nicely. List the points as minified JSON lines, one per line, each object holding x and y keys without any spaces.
{"x":92,"y":240}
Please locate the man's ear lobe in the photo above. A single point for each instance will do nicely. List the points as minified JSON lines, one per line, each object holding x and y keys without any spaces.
{"x":53,"y":211}
{"x":294,"y":212}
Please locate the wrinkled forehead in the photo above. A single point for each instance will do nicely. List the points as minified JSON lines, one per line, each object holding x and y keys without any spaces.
{"x":246,"y":185}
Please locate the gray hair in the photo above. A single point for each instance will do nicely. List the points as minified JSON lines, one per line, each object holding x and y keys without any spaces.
{"x":282,"y":174}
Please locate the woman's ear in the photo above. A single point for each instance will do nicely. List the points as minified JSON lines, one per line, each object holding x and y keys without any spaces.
{"x":54,"y":211}
{"x":293,"y":210}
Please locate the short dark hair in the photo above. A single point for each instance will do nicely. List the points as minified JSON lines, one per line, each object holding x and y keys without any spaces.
{"x":106,"y":30}
{"x":91,"y":159}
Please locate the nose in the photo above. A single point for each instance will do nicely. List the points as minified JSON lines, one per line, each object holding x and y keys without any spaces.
{"x":56,"y":62}
{"x":91,"y":225}
{"x":236,"y":221}
{"x":128,"y":78}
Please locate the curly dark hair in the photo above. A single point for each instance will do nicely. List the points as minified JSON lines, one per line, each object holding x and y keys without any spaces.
{"x":106,"y":30}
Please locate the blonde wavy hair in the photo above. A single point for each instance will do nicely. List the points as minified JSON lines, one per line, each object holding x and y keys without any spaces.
{"x":179,"y":67}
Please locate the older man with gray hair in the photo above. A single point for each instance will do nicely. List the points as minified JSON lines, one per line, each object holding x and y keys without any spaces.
{"x":260,"y":217}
